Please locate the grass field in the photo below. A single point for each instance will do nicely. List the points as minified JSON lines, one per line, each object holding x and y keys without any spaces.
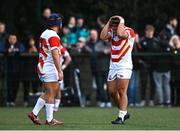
{"x":93,"y":118}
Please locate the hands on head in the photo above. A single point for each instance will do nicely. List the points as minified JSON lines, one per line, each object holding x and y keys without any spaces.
{"x":115,"y":20}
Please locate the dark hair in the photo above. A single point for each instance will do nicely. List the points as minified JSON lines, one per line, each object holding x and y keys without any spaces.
{"x":172,"y":18}
{"x":80,"y":16}
{"x":1,"y":22}
{"x":12,"y":33}
{"x":114,"y":21}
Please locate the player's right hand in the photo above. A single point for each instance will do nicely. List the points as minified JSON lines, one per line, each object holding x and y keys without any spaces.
{"x":60,"y":75}
{"x":120,"y":18}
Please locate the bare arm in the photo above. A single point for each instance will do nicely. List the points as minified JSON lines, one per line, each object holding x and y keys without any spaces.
{"x":104,"y":33}
{"x":121,"y":33}
{"x":57,"y":62}
{"x":67,"y":61}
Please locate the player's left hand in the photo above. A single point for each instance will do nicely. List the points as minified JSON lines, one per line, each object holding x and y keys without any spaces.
{"x":120,"y":18}
{"x":60,"y":75}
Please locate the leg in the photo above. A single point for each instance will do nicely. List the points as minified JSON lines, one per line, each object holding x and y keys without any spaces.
{"x":35,"y":85}
{"x":26,"y":85}
{"x":9,"y":92}
{"x":113,"y":92}
{"x":15,"y":88}
{"x":58,"y":97}
{"x":46,"y":99}
{"x":105,"y":89}
{"x":122,"y":89}
{"x":143,"y":88}
{"x":158,"y":83}
{"x":151,"y":89}
{"x":52,"y":89}
{"x":137,"y":83}
{"x":167,"y":78}
{"x":122,"y":85}
{"x":132,"y":89}
{"x":177,"y":86}
{"x":102,"y":90}
{"x":39,"y":105}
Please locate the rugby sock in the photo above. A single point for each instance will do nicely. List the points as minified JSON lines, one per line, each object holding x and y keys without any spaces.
{"x":122,"y":114}
{"x":57,"y":103}
{"x":49,"y":112}
{"x":39,"y":105}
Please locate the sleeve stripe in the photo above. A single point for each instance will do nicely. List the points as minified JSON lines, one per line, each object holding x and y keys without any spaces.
{"x":54,"y":41}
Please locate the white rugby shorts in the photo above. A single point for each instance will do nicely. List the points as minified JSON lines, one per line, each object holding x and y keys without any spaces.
{"x":119,"y":73}
{"x":49,"y":77}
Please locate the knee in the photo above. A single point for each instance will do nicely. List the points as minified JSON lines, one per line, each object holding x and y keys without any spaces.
{"x":50,"y":98}
{"x":123,"y":91}
{"x":112,"y":93}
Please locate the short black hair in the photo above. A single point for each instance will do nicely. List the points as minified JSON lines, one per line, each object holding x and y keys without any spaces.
{"x":3,"y":23}
{"x":172,"y":18}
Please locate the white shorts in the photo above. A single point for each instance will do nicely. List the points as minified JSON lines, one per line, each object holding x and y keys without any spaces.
{"x":49,"y":77}
{"x":119,"y":73}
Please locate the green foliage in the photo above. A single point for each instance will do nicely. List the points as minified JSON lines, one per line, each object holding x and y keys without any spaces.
{"x":24,"y":16}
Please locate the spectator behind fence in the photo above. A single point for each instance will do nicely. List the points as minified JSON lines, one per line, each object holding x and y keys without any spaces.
{"x":13,"y":48}
{"x":81,"y":44}
{"x":148,"y":44}
{"x":133,"y":89}
{"x":82,"y":30}
{"x":71,"y":35}
{"x":3,"y":39}
{"x":97,"y":75}
{"x":175,"y":44}
{"x":64,"y":41}
{"x":162,"y":75}
{"x":28,"y":76}
{"x":103,"y":51}
{"x":168,"y":31}
{"x":3,"y":36}
{"x":45,"y":15}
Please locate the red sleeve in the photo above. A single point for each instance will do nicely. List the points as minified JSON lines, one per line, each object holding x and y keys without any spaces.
{"x":54,"y":41}
{"x":63,"y":50}
{"x":130,"y":32}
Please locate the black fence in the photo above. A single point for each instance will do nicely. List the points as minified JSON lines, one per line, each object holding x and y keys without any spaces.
{"x":23,"y":68}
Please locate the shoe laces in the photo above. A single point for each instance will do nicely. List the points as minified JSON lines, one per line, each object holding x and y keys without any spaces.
{"x":54,"y":120}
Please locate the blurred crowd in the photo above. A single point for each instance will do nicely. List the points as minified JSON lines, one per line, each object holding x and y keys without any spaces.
{"x":155,"y":78}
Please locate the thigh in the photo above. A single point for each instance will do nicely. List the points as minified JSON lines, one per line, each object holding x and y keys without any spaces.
{"x":123,"y":84}
{"x":167,"y":77}
{"x":157,"y":78}
{"x":112,"y":86}
{"x":51,"y":87}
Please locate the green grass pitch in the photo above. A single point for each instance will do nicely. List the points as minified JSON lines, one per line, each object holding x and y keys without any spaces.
{"x":92,"y":118}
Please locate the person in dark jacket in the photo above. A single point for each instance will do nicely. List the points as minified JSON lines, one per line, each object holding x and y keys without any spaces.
{"x":13,"y":49}
{"x":149,"y":44}
{"x":28,"y":75}
{"x":3,"y":36}
{"x":134,"y":83}
{"x":103,"y":51}
{"x":162,"y":74}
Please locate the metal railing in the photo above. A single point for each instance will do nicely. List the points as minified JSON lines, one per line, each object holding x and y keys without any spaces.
{"x":82,"y":61}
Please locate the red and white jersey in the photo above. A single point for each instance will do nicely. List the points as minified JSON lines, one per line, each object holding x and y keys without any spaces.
{"x":121,"y":50}
{"x":64,"y":53}
{"x":48,"y":41}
